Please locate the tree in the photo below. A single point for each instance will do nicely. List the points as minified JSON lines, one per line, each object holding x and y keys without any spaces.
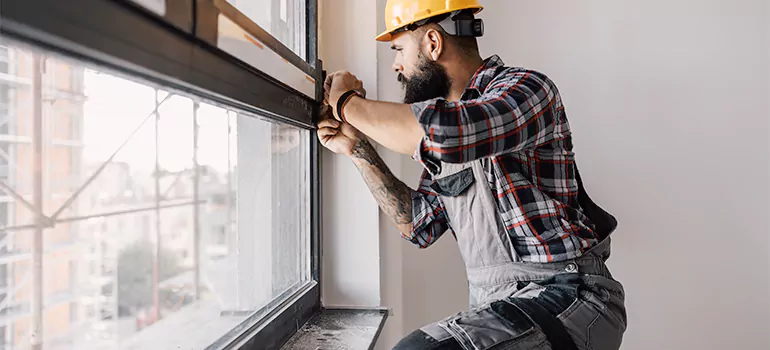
{"x":135,"y":264}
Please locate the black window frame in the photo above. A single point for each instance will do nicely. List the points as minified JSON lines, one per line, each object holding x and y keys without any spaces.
{"x":178,"y":50}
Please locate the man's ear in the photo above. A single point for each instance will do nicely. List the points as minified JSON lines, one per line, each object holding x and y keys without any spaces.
{"x":433,"y":44}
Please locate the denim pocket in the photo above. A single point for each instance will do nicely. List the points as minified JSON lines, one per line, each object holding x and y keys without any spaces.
{"x":592,"y":324}
{"x":604,"y":333}
{"x":455,"y":184}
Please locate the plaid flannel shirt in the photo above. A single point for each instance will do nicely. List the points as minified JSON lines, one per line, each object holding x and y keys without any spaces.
{"x":513,"y":121}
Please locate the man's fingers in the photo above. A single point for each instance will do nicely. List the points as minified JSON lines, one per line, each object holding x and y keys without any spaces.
{"x":339,"y":82}
{"x":328,"y":123}
{"x":328,"y":86}
{"x":328,"y":81}
{"x":327,"y":132}
{"x":359,"y":86}
{"x":330,"y":78}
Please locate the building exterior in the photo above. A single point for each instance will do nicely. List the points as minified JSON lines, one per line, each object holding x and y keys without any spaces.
{"x":96,"y":219}
{"x":61,"y":102}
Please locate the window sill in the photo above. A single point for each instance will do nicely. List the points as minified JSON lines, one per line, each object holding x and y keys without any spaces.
{"x":340,"y":329}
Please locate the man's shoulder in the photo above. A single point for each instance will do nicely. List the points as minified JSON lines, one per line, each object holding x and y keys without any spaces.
{"x":507,"y":79}
{"x":518,"y":73}
{"x":495,"y":66}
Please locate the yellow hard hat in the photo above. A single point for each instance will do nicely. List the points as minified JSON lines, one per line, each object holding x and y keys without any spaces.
{"x":401,"y":13}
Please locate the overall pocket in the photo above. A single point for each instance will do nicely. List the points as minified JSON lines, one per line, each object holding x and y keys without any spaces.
{"x":591,"y":323}
{"x":495,"y":326}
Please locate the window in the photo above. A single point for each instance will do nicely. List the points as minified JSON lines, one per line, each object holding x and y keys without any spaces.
{"x":73,"y":275}
{"x":220,"y":235}
{"x":182,"y":181}
{"x":283,"y":19}
{"x":3,"y":215}
{"x":5,"y":146}
{"x":157,"y":6}
{"x":73,"y":312}
{"x":261,"y":164}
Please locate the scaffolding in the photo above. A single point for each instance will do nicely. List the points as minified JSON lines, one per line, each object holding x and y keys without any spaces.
{"x":100,"y":292}
{"x":50,"y":200}
{"x":43,"y":95}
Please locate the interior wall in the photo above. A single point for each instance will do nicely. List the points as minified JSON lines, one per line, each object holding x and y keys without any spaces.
{"x":668,"y":101}
{"x":351,"y":246}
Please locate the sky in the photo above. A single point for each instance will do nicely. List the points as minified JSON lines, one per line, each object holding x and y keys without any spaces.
{"x":115,"y":107}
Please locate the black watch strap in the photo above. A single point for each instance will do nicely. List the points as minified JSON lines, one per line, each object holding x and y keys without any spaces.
{"x":343,"y":100}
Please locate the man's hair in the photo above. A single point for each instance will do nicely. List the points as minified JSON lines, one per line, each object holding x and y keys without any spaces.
{"x":466,"y":45}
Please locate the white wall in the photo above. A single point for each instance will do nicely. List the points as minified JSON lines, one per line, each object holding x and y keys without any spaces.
{"x":668,"y":101}
{"x":350,"y":266}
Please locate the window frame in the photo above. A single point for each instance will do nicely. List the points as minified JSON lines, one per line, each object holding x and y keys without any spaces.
{"x":178,"y":50}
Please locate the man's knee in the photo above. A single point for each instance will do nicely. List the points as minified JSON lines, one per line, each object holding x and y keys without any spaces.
{"x":415,"y":340}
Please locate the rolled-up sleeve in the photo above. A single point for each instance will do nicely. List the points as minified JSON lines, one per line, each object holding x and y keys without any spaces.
{"x":429,"y":220}
{"x":518,"y":110}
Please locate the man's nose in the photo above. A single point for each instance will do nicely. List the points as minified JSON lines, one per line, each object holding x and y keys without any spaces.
{"x":397,"y":68}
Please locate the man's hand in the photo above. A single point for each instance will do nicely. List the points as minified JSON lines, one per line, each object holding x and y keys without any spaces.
{"x":337,"y":136}
{"x":392,"y":125}
{"x":339,"y":83}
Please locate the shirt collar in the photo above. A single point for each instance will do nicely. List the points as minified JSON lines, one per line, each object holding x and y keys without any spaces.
{"x":482,"y":77}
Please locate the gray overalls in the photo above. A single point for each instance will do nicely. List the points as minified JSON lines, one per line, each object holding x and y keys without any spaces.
{"x":573,"y":304}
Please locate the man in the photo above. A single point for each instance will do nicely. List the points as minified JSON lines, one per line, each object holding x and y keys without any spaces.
{"x":500,"y":175}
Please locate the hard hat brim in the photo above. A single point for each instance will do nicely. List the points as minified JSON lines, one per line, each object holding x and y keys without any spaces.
{"x":385,"y":36}
{"x":388,"y":34}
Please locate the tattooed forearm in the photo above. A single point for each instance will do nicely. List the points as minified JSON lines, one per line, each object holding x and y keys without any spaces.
{"x":392,"y":195}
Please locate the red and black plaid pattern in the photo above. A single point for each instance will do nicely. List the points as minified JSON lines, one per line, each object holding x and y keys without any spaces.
{"x":513,"y":121}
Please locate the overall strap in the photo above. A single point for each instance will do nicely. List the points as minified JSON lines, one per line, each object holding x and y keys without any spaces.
{"x":553,"y":329}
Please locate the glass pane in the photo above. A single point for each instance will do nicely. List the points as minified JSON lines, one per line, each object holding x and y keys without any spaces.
{"x":168,"y":220}
{"x":157,"y":6}
{"x":284,"y":19}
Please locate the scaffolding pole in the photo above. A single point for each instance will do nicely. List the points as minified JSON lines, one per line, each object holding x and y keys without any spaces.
{"x":109,"y":160}
{"x":52,"y":223}
{"x":196,"y":206}
{"x":36,"y":336}
{"x":229,"y":239}
{"x":156,"y":255}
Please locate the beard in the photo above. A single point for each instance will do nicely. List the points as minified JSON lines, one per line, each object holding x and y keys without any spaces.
{"x":430,"y":81}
